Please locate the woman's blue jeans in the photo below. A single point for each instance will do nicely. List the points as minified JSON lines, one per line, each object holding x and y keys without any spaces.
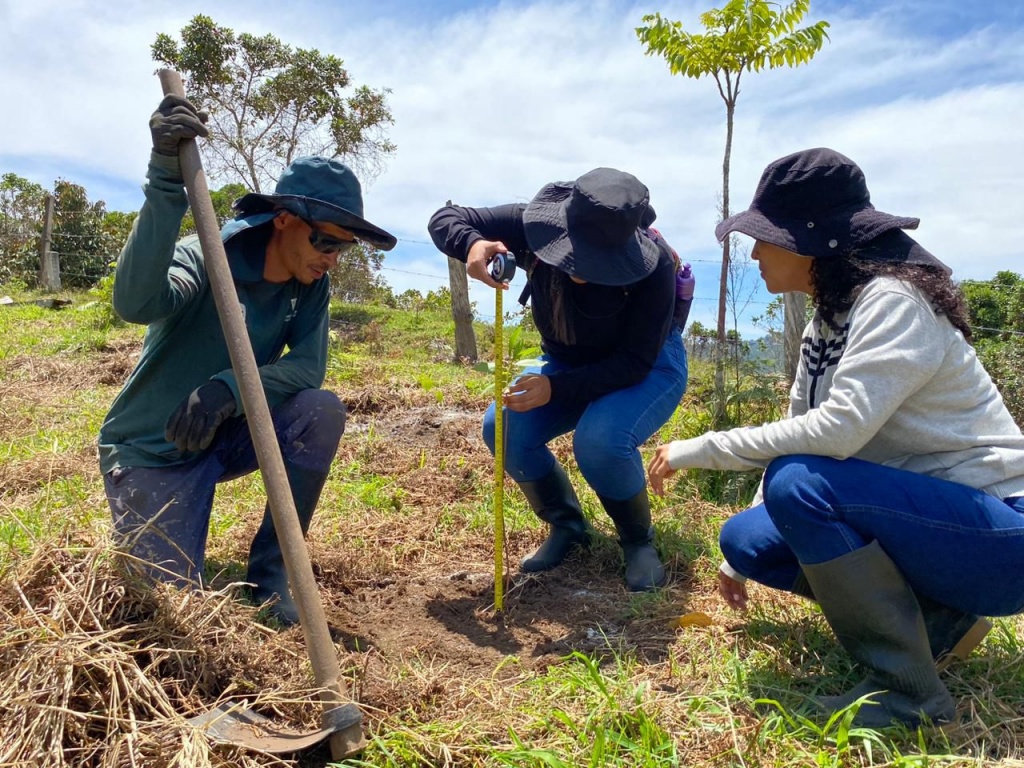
{"x":608,"y":431}
{"x":954,"y":544}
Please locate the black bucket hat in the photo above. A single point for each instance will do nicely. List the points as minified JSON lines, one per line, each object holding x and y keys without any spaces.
{"x":816,"y":203}
{"x":319,"y":189}
{"x":588,"y":228}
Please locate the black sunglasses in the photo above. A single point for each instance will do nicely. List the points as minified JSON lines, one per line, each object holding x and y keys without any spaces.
{"x":325,"y":243}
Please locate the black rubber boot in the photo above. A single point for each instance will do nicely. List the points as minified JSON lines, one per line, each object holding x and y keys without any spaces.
{"x":952,"y":634}
{"x":632,"y":518}
{"x":266,"y":563}
{"x":801,"y":587}
{"x":877,"y":619}
{"x":554,"y":501}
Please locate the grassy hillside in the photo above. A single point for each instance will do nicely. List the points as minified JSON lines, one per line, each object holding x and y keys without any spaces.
{"x":95,"y":671}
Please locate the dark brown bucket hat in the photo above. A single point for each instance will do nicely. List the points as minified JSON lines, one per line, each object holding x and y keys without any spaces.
{"x":816,"y":203}
{"x":589,"y":228}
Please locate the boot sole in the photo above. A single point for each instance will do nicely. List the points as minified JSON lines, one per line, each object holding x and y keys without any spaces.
{"x":972,"y":639}
{"x":529,"y":565}
{"x":876,"y":717}
{"x":650,"y":586}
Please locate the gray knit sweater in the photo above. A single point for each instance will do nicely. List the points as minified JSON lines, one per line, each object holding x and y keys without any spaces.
{"x":898,"y":386}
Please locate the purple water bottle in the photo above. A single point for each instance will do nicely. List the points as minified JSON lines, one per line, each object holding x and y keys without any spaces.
{"x":685,"y":283}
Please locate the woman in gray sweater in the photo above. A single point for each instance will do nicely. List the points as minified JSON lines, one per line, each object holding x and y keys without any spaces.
{"x":893,"y":492}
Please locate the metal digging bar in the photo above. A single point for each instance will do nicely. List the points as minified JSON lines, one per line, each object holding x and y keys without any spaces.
{"x":341,"y":719}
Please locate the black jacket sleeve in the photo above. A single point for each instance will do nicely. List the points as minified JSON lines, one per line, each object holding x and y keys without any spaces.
{"x":455,"y":228}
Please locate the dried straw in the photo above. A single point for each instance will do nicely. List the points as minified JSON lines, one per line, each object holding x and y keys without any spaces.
{"x":97,"y":669}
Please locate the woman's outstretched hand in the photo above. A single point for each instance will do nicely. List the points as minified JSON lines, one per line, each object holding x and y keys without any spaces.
{"x":732,"y":591}
{"x":659,"y":469}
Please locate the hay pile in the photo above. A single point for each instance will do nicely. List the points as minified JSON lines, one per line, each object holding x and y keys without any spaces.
{"x":97,"y":670}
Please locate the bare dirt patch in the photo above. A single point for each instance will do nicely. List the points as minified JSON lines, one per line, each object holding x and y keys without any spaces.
{"x":409,"y":596}
{"x":406,"y":577}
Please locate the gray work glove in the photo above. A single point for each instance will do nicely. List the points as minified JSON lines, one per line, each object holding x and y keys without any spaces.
{"x":194,"y":422}
{"x":176,"y":119}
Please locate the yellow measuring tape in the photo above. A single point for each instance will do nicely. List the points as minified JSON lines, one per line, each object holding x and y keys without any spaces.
{"x":499,"y":456}
{"x":502,"y":268}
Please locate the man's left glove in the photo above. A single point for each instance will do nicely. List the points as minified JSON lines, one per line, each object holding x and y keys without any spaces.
{"x":194,"y":422}
{"x":176,"y":119}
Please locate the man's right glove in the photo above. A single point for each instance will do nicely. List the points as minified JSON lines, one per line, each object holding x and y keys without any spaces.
{"x":194,"y":422}
{"x":176,"y":119}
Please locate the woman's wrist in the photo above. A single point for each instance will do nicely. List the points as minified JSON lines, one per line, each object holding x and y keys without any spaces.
{"x":682,"y":454}
{"x":732,"y":573}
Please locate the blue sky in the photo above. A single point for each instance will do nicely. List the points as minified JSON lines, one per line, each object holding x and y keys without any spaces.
{"x":493,"y":100}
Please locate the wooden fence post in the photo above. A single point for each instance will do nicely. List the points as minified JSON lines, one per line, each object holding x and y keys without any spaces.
{"x":795,"y":319}
{"x":462,"y":313}
{"x":49,"y":262}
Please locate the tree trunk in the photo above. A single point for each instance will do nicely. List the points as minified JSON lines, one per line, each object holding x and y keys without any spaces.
{"x":719,"y":411}
{"x":462,"y":314}
{"x":795,"y":314}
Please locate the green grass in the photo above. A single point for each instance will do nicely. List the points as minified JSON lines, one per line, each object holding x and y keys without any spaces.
{"x":731,"y":695}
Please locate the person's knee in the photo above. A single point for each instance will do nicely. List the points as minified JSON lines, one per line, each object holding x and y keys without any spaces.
{"x":783,"y":478}
{"x":310,"y":427}
{"x":326,"y":408}
{"x":598,"y":454}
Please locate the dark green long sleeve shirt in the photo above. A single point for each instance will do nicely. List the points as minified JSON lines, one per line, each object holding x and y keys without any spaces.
{"x":164,"y":285}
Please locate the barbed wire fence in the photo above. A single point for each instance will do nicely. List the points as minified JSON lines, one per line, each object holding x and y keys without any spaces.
{"x":51,"y":273}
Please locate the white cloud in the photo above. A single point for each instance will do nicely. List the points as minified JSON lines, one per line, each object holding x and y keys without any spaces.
{"x":493,"y":102}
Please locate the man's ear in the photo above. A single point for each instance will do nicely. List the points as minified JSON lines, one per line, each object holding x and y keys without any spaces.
{"x":283,"y":219}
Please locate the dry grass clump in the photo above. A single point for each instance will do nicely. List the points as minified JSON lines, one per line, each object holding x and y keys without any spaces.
{"x":43,"y":468}
{"x":98,"y":670}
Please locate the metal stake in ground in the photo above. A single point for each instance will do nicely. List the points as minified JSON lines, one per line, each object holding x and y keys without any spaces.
{"x":503,"y":268}
{"x":341,"y":718}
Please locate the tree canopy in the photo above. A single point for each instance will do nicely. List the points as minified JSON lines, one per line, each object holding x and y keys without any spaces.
{"x":21,"y":218}
{"x":741,"y":36}
{"x":270,"y":103}
{"x":84,"y":235}
{"x":996,"y":306}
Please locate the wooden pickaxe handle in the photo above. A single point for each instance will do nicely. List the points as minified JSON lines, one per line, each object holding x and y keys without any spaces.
{"x":322,"y":654}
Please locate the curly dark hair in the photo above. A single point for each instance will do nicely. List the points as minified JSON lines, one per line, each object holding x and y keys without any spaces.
{"x":838,"y":281}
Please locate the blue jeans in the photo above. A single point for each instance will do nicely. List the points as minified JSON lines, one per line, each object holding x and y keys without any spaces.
{"x":608,"y":431}
{"x":177,"y":499}
{"x":954,"y":544}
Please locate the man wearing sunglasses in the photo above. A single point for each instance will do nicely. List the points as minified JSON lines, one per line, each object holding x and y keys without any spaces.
{"x":178,"y":427}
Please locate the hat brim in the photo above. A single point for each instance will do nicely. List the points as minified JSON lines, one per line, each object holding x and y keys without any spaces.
{"x":897,"y":245}
{"x":867,"y":233}
{"x":758,"y":226}
{"x":317,"y":210}
{"x":547,"y":233}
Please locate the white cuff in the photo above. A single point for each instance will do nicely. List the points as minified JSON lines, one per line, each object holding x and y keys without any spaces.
{"x":732,"y":573}
{"x":683,"y":454}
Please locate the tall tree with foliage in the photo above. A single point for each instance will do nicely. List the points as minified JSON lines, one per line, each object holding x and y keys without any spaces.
{"x":996,"y":307}
{"x":86,"y":240}
{"x":742,"y":36}
{"x":21,"y":216}
{"x":222,"y":199}
{"x":270,"y":103}
{"x":357,"y":280}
